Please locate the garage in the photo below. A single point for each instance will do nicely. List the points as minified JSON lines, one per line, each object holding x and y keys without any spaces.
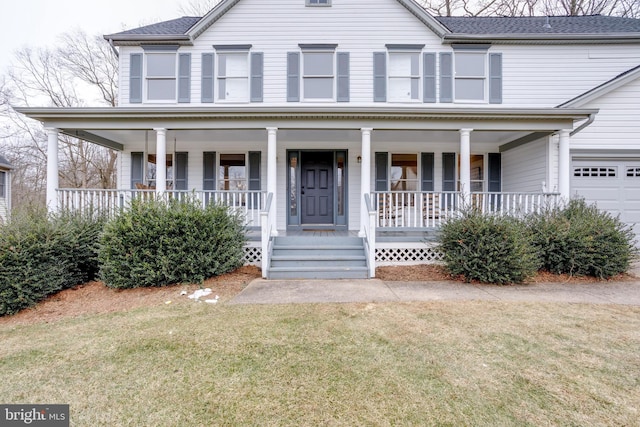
{"x":612,"y":184}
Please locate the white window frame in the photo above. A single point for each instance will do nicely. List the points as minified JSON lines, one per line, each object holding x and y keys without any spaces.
{"x":226,"y":77}
{"x":148,"y":78}
{"x":462,"y":77}
{"x":220,"y":180}
{"x":415,"y":181}
{"x":417,"y":77}
{"x":3,"y":184}
{"x":306,"y":77}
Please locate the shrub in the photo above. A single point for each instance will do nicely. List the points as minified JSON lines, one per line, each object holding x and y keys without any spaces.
{"x":157,"y":243}
{"x":41,"y":254}
{"x":487,"y":248}
{"x":582,"y":240}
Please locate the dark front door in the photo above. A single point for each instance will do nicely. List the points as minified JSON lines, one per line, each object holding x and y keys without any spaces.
{"x":316,"y":189}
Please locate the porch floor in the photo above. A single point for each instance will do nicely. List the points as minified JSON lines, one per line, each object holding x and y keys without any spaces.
{"x":382,"y":235}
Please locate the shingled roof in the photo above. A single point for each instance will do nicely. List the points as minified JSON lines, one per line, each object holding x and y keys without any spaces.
{"x":591,"y":24}
{"x":174,"y":27}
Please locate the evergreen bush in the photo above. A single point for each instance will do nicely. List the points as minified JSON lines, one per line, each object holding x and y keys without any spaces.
{"x":581,"y":240}
{"x":487,"y":248}
{"x":41,"y":254}
{"x":157,"y":243}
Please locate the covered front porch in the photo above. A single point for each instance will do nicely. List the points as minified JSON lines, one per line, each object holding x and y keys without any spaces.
{"x":387,"y":177}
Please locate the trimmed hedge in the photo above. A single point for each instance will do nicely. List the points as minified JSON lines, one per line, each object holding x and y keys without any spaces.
{"x":41,"y":254}
{"x":582,"y":240}
{"x":157,"y":243}
{"x":487,"y":248}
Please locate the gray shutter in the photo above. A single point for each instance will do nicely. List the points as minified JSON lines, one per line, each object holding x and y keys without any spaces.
{"x":427,"y":162}
{"x":209,"y":171}
{"x":495,"y":172}
{"x":448,"y":171}
{"x":382,"y":170}
{"x":207,"y":78}
{"x":380,"y":77}
{"x":343,"y":77}
{"x":137,"y":168}
{"x":429,"y":83}
{"x":495,"y":78}
{"x":184,"y":78}
{"x":257,"y":76}
{"x":254,"y":170}
{"x":293,"y":77}
{"x":135,"y":78}
{"x":181,"y":168}
{"x":446,"y":77}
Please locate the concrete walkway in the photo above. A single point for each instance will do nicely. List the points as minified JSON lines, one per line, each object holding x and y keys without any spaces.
{"x":262,"y":291}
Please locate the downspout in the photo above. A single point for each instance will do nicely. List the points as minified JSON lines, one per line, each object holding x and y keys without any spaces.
{"x":590,"y":120}
{"x":113,"y":48}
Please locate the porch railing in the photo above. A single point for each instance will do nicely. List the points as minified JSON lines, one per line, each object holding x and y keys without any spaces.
{"x":414,"y":209}
{"x":110,"y":202}
{"x":267,"y":224}
{"x":370,"y":235}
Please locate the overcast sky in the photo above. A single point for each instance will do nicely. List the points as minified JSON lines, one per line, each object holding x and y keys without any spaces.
{"x":37,"y":23}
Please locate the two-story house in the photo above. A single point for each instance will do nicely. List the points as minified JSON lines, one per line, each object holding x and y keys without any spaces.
{"x":373,"y":121}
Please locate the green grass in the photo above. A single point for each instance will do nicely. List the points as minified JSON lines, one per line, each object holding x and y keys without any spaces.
{"x":446,"y":363}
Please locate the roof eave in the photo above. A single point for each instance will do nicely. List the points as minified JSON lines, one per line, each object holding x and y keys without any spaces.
{"x":602,"y":89}
{"x":140,"y":39}
{"x":425,"y":17}
{"x":543,"y":38}
{"x":211,"y":17}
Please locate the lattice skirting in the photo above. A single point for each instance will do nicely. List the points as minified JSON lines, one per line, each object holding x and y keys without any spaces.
{"x":253,"y":255}
{"x":407,"y":254}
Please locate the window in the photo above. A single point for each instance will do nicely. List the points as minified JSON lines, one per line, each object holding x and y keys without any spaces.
{"x":318,"y":75}
{"x":470,"y":76}
{"x":633,"y":172}
{"x":404,"y":76}
{"x":404,"y":172}
{"x":595,"y":172}
{"x":3,"y":184}
{"x":232,"y":174}
{"x":233,"y":76}
{"x":161,"y":76}
{"x":318,"y":2}
{"x":151,"y":171}
{"x":477,"y":173}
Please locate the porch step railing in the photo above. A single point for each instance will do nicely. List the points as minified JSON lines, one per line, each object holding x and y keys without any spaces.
{"x":415,"y":209}
{"x":110,"y":202}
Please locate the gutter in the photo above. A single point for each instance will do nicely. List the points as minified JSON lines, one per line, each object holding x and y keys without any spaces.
{"x":590,"y":120}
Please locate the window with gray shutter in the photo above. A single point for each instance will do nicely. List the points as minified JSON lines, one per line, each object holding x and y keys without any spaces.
{"x":448,"y":171}
{"x":137,"y":169}
{"x":184,"y":78}
{"x":429,"y":73}
{"x":181,"y":168}
{"x":427,"y":180}
{"x":257,"y":76}
{"x":382,"y":171}
{"x":446,"y":77}
{"x":207,"y":90}
{"x":495,"y":78}
{"x":209,"y":171}
{"x":495,"y":172}
{"x":343,"y":77}
{"x":293,"y":77}
{"x":135,"y":78}
{"x":380,"y":76}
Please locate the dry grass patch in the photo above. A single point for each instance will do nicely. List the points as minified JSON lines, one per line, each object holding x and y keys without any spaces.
{"x":469,"y":363}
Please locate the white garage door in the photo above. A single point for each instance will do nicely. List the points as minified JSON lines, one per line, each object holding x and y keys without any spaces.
{"x":613,"y":184}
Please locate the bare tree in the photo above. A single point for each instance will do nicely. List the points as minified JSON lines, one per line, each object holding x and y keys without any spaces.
{"x":623,"y":8}
{"x":82,"y":67}
{"x":198,"y":7}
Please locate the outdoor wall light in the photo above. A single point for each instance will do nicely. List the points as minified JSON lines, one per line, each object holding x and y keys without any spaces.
{"x":359,"y":159}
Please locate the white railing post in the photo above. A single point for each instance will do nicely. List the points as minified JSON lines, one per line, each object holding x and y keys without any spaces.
{"x":265,"y":235}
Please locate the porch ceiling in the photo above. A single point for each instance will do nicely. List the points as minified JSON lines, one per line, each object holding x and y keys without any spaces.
{"x":118,"y":127}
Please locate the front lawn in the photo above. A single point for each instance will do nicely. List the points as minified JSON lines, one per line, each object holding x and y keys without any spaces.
{"x":440,"y":363}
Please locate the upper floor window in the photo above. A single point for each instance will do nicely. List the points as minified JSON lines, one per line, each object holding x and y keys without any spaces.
{"x":318,"y":2}
{"x":404,"y":76}
{"x":470,"y":75}
{"x":161,"y":76}
{"x":233,"y":76}
{"x":318,"y":72}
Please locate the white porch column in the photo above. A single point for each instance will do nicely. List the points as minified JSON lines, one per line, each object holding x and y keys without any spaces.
{"x":365,"y":177}
{"x":564,"y":164}
{"x":52,"y":170}
{"x":465,"y":164}
{"x":272,"y":168}
{"x":161,"y":160}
